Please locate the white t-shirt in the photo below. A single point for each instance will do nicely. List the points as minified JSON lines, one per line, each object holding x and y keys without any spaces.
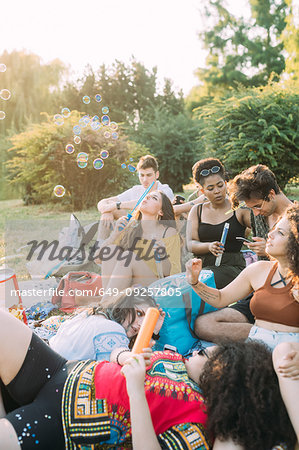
{"x":135,"y":192}
{"x":88,"y":337}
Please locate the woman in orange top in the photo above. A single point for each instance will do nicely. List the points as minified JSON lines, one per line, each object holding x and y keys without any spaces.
{"x":275,"y":303}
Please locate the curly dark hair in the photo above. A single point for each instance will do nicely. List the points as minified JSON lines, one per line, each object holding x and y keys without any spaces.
{"x":243,"y":399}
{"x":254,"y":182}
{"x":134,"y":230}
{"x":207,"y":163}
{"x":292,"y":214}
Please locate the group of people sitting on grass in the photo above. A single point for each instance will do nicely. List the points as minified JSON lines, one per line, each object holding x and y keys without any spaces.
{"x":239,"y":393}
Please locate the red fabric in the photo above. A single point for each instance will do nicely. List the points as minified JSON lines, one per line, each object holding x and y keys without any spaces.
{"x":170,"y":402}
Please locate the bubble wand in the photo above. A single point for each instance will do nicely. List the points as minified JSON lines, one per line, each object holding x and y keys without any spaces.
{"x":129,"y":215}
{"x":222,"y":240}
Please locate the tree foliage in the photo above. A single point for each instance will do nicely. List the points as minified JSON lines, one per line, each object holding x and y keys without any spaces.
{"x":245,"y":51}
{"x":39,"y":162}
{"x":172,"y":139}
{"x":254,"y":126}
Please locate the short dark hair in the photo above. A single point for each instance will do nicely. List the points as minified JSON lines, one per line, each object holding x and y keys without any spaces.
{"x":254,"y":182}
{"x":148,"y":162}
{"x":206,"y":163}
{"x":243,"y":398}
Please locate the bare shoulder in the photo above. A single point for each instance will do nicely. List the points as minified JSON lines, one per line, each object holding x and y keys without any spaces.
{"x":171,"y":232}
{"x":243,"y":216}
{"x":258,"y":271}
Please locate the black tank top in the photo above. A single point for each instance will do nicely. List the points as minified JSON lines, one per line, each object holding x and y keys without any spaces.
{"x":208,"y":232}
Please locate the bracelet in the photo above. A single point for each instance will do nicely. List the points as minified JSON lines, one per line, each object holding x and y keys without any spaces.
{"x":194,"y":284}
{"x":119,"y":353}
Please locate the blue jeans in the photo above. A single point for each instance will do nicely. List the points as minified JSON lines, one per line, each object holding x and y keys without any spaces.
{"x":270,"y":337}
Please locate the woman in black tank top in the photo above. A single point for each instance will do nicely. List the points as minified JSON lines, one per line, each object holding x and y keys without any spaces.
{"x":206,"y":222}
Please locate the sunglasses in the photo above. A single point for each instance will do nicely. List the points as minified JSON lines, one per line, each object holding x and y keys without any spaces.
{"x":206,"y":172}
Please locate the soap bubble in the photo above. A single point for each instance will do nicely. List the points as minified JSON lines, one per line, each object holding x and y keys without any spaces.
{"x":2,"y":115}
{"x":69,"y":148}
{"x":82,"y":164}
{"x":114,"y":135}
{"x":131,"y":159}
{"x":82,"y":156}
{"x":2,"y":67}
{"x":131,"y":168}
{"x":123,"y":166}
{"x":98,"y":98}
{"x":59,"y":190}
{"x":83,"y":122}
{"x":86,"y":99}
{"x":107,"y":134}
{"x":104,"y":154}
{"x":95,"y":125}
{"x":95,"y":118}
{"x":5,"y":94}
{"x":77,"y":129}
{"x":98,"y":163}
{"x":77,"y":139}
{"x":66,"y":112}
{"x":105,"y":110}
{"x":58,"y":119}
{"x":113,"y":126}
{"x":105,"y":120}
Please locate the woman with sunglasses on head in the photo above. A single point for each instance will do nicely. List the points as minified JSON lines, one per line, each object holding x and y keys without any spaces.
{"x":275,"y":302}
{"x":62,"y":404}
{"x":206,"y":222}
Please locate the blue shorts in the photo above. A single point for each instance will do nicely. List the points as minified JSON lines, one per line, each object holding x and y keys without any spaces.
{"x":270,"y":337}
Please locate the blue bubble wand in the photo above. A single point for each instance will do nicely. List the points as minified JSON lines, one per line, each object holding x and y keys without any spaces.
{"x":130,"y":214}
{"x":222,"y":240}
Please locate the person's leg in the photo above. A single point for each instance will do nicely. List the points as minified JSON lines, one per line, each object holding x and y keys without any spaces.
{"x":15,"y":338}
{"x":289,"y":386}
{"x":227,"y":323}
{"x":9,"y":439}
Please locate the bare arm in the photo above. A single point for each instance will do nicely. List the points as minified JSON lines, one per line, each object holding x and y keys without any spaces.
{"x":105,"y":201}
{"x":110,"y":205}
{"x":187,"y":206}
{"x":193,"y":243}
{"x":239,"y":288}
{"x":141,"y":421}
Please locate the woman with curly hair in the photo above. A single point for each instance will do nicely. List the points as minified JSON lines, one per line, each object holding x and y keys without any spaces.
{"x":62,"y":404}
{"x":129,"y":255}
{"x":275,"y":303}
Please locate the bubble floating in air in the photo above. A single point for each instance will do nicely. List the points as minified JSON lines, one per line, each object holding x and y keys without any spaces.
{"x":104,"y":154}
{"x":77,"y":139}
{"x":86,"y":99}
{"x":66,"y":112}
{"x":58,"y":119}
{"x":98,"y":98}
{"x":69,"y":148}
{"x":2,"y":115}
{"x":105,"y":110}
{"x":2,"y":67}
{"x":98,"y":163}
{"x":5,"y":94}
{"x":59,"y":190}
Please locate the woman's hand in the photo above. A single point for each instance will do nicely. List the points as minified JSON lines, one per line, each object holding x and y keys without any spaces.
{"x":193,"y":269}
{"x":289,"y":365}
{"x":216,"y":248}
{"x":134,"y":371}
{"x":147,"y":353}
{"x":159,"y":321}
{"x":258,"y":246}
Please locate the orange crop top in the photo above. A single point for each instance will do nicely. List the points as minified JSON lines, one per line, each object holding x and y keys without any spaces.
{"x":275,"y":304}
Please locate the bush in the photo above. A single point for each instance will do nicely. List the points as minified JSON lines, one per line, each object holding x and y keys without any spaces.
{"x":39,"y":162}
{"x":253,"y":126}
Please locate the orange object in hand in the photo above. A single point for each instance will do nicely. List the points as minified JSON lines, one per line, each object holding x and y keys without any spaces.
{"x":146,"y":330}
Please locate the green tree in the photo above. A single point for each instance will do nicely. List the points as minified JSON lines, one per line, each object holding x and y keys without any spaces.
{"x":254,"y":126}
{"x":242,"y":51}
{"x":173,"y":140}
{"x":33,"y":86}
{"x":39,"y":162}
{"x":290,"y":38}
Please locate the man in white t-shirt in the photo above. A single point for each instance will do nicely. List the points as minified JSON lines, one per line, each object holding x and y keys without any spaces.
{"x":113,"y":208}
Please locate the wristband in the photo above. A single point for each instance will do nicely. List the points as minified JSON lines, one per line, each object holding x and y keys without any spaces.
{"x":118,"y":205}
{"x":119,"y":353}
